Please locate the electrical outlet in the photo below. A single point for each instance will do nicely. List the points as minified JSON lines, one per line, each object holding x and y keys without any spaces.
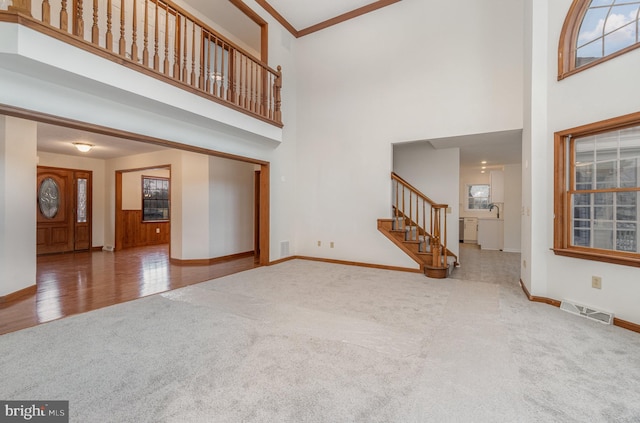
{"x":596,"y":282}
{"x":157,"y":230}
{"x":331,"y":245}
{"x":319,"y":243}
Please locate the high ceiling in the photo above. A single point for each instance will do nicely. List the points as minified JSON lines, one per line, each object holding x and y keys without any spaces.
{"x":498,"y":148}
{"x":303,"y":14}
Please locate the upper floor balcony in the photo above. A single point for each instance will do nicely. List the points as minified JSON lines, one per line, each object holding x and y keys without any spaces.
{"x":160,"y":40}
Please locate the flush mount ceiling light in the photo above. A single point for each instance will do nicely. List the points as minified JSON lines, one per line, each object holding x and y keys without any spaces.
{"x":83,"y":147}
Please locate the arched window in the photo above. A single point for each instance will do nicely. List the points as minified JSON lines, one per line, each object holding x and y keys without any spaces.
{"x":595,"y":31}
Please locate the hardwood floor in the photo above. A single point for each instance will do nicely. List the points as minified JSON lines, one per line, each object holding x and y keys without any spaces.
{"x":69,"y":284}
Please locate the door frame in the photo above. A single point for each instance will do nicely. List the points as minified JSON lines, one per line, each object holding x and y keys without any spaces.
{"x":72,"y":206}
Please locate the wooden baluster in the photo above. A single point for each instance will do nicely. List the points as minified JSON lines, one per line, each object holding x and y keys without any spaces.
{"x":254,"y":86}
{"x":207,"y":76}
{"x":64,"y":17}
{"x":263,"y":91}
{"x":424,"y":223}
{"x":404,"y":220}
{"x":156,"y":42}
{"x":134,"y":34}
{"x":166,"y":40}
{"x":184,"y":53}
{"x":193,"y":55}
{"x":176,"y":49}
{"x":241,"y":84}
{"x":232,"y":77}
{"x":277,"y":87}
{"x":444,"y":242}
{"x":108,"y":39}
{"x":95,"y":31}
{"x":145,"y":47}
{"x":122,"y":48}
{"x":79,"y":21}
{"x":46,"y":12}
{"x":215,"y":69}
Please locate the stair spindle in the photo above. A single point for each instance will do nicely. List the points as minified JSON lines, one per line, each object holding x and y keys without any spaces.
{"x":156,"y":41}
{"x":95,"y":31}
{"x":122,"y":47}
{"x":184,"y":60}
{"x":64,"y":16}
{"x":166,"y":40}
{"x":193,"y":55}
{"x":134,"y":35}
{"x":46,"y":12}
{"x":176,"y":48}
{"x":145,"y":42}
{"x":79,"y":21}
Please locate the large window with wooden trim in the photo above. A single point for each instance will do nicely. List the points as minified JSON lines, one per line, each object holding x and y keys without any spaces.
{"x":155,"y":199}
{"x":595,"y":31}
{"x":597,"y":191}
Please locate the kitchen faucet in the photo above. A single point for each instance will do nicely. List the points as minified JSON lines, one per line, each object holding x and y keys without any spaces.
{"x":491,"y":206}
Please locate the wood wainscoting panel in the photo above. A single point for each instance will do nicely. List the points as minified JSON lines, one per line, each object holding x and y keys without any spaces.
{"x":137,"y":233}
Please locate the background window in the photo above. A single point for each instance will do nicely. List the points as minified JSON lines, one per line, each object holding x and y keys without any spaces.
{"x":478,"y":197}
{"x":155,"y":199}
{"x":596,"y":30}
{"x":597,"y":191}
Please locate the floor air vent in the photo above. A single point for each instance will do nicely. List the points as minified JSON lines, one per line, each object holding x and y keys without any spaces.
{"x":589,"y":313}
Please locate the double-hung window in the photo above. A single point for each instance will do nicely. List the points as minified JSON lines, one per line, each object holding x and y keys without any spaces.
{"x":597,"y":191}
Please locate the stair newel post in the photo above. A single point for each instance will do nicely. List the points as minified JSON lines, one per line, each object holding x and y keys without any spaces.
{"x":436,"y":237}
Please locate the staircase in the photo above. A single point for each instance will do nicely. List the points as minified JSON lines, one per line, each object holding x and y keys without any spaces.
{"x":419,"y":228}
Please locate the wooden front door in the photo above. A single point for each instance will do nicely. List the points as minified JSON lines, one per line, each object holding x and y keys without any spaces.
{"x":63,"y":210}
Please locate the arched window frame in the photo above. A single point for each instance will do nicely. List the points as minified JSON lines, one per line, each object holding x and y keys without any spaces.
{"x":568,"y":40}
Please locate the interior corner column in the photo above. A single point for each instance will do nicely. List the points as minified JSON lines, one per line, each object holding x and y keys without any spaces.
{"x":18,"y":162}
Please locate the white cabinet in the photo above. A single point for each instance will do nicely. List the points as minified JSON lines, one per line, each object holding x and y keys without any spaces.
{"x":470,"y":230}
{"x":491,"y":234}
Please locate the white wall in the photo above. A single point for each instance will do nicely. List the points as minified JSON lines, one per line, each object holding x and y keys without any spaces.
{"x":512,"y":208}
{"x":599,"y":93}
{"x":361,"y":89}
{"x":231,"y":207}
{"x":436,"y":174}
{"x":97,"y":168}
{"x":17,"y":204}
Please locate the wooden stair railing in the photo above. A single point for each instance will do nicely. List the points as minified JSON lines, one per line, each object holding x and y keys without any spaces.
{"x":162,"y":40}
{"x":423,"y":221}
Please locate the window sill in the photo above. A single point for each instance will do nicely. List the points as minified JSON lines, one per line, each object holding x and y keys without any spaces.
{"x":618,"y":258}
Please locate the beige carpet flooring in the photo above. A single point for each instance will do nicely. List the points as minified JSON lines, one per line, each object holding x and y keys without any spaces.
{"x":307,"y":341}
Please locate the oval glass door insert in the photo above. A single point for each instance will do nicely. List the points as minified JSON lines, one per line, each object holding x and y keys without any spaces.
{"x":49,"y":198}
